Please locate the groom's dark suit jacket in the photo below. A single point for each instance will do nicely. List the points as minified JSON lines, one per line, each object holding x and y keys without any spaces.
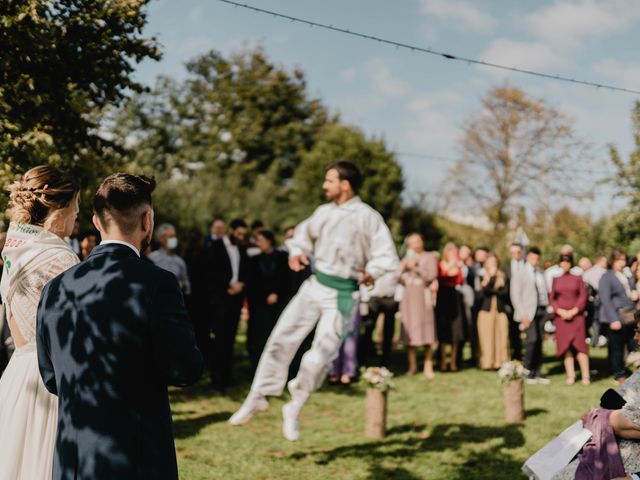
{"x":112,"y":333}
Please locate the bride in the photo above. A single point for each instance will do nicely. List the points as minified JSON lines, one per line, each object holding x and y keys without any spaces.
{"x":43,"y":207}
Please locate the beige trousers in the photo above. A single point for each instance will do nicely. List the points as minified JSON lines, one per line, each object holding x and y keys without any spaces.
{"x":493,"y":337}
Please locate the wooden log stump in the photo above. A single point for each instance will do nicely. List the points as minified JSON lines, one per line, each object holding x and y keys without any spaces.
{"x":376,"y":414}
{"x":514,"y":401}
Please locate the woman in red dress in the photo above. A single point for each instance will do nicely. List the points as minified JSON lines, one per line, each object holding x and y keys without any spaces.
{"x":568,"y":299}
{"x":449,"y":308}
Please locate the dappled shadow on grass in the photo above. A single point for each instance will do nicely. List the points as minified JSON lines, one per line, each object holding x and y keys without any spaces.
{"x":378,"y":472}
{"x":445,"y":437}
{"x":532,"y":412}
{"x":189,"y":427}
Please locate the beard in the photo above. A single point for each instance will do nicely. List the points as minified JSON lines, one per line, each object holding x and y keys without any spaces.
{"x":330,"y":196}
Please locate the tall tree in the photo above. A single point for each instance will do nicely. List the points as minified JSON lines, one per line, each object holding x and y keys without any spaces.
{"x":516,"y":151}
{"x":627,"y":179}
{"x":234,"y":131}
{"x":61,"y":64}
{"x":383,"y":180}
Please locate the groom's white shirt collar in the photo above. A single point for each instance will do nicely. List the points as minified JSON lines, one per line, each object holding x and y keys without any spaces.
{"x":120,"y":242}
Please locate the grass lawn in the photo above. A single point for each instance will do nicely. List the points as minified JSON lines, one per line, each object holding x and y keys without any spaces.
{"x":449,"y":428}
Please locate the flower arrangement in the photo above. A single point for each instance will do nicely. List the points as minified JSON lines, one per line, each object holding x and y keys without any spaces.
{"x":378,"y":378}
{"x":510,"y":371}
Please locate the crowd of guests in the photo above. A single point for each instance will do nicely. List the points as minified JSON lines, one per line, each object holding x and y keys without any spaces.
{"x":440,"y":302}
{"x":465,"y":296}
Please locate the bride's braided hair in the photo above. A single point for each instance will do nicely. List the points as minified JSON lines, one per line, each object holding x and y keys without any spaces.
{"x":40,"y":191}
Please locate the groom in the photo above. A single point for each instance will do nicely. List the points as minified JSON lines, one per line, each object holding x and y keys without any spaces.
{"x":112,"y":333}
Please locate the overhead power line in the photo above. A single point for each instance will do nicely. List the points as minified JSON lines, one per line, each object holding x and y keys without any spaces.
{"x":567,"y":169}
{"x":430,"y":51}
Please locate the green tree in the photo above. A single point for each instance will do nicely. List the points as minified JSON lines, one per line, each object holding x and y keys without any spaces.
{"x":226,"y":140}
{"x":383,"y":182}
{"x":61,"y":64}
{"x":627,"y":179}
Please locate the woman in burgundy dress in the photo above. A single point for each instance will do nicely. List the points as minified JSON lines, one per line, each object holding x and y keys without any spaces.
{"x":568,"y":298}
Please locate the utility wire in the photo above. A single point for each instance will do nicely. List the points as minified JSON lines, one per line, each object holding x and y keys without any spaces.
{"x":426,"y":156}
{"x":430,"y":51}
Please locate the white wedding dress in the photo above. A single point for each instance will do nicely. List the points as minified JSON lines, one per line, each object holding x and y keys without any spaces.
{"x":28,"y":412}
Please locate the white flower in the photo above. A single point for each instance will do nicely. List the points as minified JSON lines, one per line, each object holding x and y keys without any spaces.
{"x":225,"y":136}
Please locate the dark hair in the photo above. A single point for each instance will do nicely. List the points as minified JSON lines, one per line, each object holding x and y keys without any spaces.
{"x":119,"y":198}
{"x":483,"y":248}
{"x":347,"y":171}
{"x":88,"y":233}
{"x":616,"y":254}
{"x":268,"y":234}
{"x":566,"y":258}
{"x":535,"y":251}
{"x":237,"y":223}
{"x":40,"y":191}
{"x":256,"y":224}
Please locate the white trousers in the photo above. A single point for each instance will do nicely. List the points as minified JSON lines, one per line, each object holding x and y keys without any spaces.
{"x":313,"y":304}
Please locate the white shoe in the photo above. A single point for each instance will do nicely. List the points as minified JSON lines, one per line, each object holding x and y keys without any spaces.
{"x":290,"y":424}
{"x":251,"y":405}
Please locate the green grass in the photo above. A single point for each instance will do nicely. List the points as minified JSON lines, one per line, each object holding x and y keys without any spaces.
{"x":448,"y":428}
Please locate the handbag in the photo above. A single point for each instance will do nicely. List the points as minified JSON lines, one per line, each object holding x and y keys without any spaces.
{"x":626,"y":316}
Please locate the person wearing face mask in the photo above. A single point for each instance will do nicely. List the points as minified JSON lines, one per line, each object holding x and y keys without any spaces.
{"x":112,"y":334}
{"x":167,"y":258}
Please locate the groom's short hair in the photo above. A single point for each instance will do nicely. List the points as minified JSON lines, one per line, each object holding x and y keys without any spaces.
{"x":119,"y":199}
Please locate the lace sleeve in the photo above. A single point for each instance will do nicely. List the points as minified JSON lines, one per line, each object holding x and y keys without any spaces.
{"x":631,"y":393}
{"x":632,"y":413}
{"x":58,"y":264}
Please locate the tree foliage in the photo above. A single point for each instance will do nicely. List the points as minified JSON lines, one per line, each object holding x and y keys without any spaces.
{"x":61,"y":64}
{"x":627,"y":180}
{"x":242,"y":137}
{"x":383,"y":181}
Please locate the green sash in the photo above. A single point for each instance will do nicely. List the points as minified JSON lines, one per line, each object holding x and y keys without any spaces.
{"x":345,"y":288}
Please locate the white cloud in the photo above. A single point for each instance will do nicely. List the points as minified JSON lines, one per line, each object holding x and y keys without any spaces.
{"x":384,"y":81}
{"x":431,"y":127}
{"x":460,"y":11}
{"x":567,"y":23}
{"x":627,"y":75}
{"x":348,"y":74}
{"x":195,"y":14}
{"x":529,"y":55}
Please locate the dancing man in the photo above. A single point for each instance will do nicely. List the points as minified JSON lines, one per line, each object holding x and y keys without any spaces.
{"x":351,"y":245}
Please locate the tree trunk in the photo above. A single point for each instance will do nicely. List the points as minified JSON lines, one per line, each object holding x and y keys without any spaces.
{"x":376,"y":414}
{"x":514,"y":401}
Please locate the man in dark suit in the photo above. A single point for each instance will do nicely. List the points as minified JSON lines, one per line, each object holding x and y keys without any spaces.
{"x":112,"y":333}
{"x":225,"y":274}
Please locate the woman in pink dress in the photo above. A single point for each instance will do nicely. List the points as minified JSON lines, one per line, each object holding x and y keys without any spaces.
{"x":568,"y":298}
{"x":419,"y":273}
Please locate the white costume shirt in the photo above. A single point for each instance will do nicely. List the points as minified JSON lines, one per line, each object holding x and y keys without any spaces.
{"x":234,"y":258}
{"x":345,"y":240}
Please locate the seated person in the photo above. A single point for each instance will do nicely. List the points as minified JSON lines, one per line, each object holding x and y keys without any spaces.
{"x":625,"y":423}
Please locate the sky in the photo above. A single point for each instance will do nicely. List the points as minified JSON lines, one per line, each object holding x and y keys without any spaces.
{"x":417,"y":102}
